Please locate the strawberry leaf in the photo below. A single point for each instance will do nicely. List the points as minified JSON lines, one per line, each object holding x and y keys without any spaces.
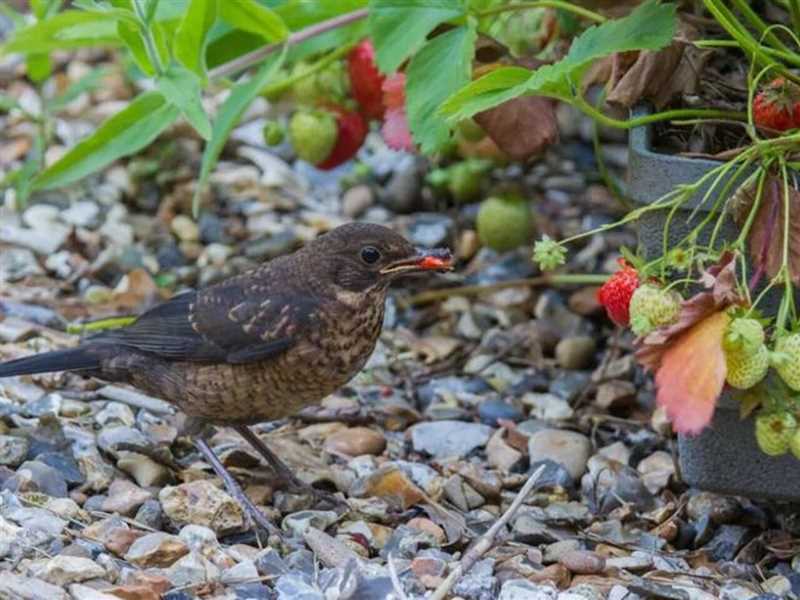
{"x":692,"y":375}
{"x":441,"y":67}
{"x":399,"y":27}
{"x":650,"y":26}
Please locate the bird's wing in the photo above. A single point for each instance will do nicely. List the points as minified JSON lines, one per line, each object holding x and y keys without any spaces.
{"x":237,"y":321}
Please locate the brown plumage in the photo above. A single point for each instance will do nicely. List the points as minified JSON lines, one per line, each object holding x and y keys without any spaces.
{"x":258,"y":346}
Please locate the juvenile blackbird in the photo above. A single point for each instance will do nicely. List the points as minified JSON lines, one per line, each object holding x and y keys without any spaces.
{"x":258,"y":346}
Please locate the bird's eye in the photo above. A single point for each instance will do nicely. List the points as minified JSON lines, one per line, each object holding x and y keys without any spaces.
{"x":370,"y":254}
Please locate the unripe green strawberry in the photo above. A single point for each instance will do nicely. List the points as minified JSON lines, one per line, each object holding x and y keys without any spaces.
{"x":273,"y":133}
{"x":743,"y":335}
{"x":652,"y":307}
{"x":504,"y":223}
{"x":745,"y":369}
{"x":794,"y":444}
{"x":313,"y":134}
{"x":774,"y":432}
{"x":787,"y":360}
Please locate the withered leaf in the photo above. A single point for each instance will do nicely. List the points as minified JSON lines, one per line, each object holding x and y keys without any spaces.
{"x":522,"y":127}
{"x":765,"y":241}
{"x":692,"y":374}
{"x":658,"y":76}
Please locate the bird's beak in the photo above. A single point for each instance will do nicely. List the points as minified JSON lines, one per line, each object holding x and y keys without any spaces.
{"x":438,"y":259}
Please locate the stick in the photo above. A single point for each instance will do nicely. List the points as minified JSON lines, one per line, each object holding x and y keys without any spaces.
{"x":396,"y":585}
{"x":473,"y":290}
{"x":486,"y":541}
{"x":256,"y":56}
{"x":136,"y":399}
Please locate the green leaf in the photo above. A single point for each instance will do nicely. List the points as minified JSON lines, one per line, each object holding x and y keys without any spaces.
{"x":190,"y":39}
{"x":248,"y":15}
{"x":182,"y":88}
{"x":240,"y":97}
{"x":39,"y":67}
{"x":125,"y":133}
{"x":494,"y":88}
{"x":129,"y":33}
{"x":69,"y":29}
{"x":651,"y":26}
{"x":399,"y":27}
{"x":442,"y":66}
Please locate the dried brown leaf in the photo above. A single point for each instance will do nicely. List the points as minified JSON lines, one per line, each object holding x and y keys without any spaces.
{"x":766,"y":237}
{"x":522,"y":127}
{"x":658,"y":76}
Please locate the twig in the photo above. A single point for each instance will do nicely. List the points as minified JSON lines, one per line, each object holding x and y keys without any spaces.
{"x":473,"y":290}
{"x":396,"y":585}
{"x":486,"y":541}
{"x":136,"y":399}
{"x":256,"y":56}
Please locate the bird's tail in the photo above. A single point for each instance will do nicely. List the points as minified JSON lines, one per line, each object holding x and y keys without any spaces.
{"x":73,"y":359}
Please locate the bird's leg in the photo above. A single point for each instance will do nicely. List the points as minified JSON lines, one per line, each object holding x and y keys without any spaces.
{"x":251,"y":511}
{"x":286,"y":478}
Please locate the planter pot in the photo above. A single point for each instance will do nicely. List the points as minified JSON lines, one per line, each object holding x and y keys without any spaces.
{"x":724,"y":458}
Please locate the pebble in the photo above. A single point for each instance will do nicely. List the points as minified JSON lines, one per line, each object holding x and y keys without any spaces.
{"x":201,"y":503}
{"x":156,"y":550}
{"x":576,"y":352}
{"x":17,"y":587}
{"x":583,"y":562}
{"x":111,"y":438}
{"x":192,"y":569}
{"x":84,"y":592}
{"x":445,"y":439}
{"x":522,"y":589}
{"x":356,"y":441}
{"x":727,"y":541}
{"x":146,"y":471}
{"x":34,"y":476}
{"x":125,"y":497}
{"x":720,"y":509}
{"x":185,"y":228}
{"x":13,"y":450}
{"x":489,"y":411}
{"x":615,"y":394}
{"x":356,"y":200}
{"x":547,"y":406}
{"x":567,"y":448}
{"x":656,"y":470}
{"x":62,"y":570}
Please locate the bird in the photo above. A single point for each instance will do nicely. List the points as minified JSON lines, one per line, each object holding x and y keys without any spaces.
{"x":258,"y":346}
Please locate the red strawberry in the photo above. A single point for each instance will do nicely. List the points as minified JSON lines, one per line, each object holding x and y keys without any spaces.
{"x":350,"y":135}
{"x":777,"y":106}
{"x":395,"y":129}
{"x":365,"y":80}
{"x":615,"y":294}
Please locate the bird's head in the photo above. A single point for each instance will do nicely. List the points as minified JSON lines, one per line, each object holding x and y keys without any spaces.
{"x":360,"y":256}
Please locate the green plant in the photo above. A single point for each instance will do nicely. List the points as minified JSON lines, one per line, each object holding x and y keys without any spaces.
{"x":187,"y":47}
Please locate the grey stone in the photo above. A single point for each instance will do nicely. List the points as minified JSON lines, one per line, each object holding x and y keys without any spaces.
{"x":17,"y":587}
{"x":443,"y":439}
{"x":522,"y":589}
{"x":34,"y":476}
{"x":568,"y":448}
{"x":478,"y":583}
{"x":13,"y":450}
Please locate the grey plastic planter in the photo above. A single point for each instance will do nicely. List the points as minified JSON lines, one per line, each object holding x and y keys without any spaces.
{"x":725,"y":457}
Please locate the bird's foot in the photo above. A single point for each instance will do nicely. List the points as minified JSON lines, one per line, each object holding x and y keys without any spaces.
{"x":292,"y":485}
{"x":253,"y":516}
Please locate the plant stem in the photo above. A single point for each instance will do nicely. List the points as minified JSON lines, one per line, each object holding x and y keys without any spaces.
{"x":759,"y":25}
{"x":283,"y":84}
{"x":794,"y":12}
{"x":667,"y":115}
{"x":149,"y":42}
{"x":567,"y":6}
{"x":789,"y":57}
{"x":247,"y":60}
